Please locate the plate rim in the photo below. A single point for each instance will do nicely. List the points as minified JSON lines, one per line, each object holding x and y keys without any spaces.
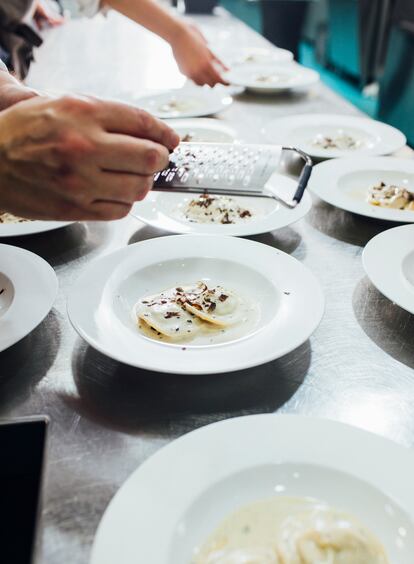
{"x":46,"y":270}
{"x":369,"y":443}
{"x":405,"y":297}
{"x":223,"y":99}
{"x":336,"y":168}
{"x":337,"y":154}
{"x":38,"y":226}
{"x":232,"y":231}
{"x":201,"y":368}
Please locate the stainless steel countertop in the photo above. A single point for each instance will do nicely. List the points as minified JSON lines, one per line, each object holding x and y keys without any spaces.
{"x":107,"y":418}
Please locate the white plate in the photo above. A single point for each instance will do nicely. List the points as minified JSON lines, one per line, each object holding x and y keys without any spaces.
{"x":179,"y":495}
{"x":203,"y":130}
{"x":197,"y":103}
{"x":30,"y":227}
{"x":283,"y":77}
{"x":165,"y":211}
{"x":388,"y":260}
{"x":30,"y":287}
{"x":344,"y":183}
{"x":255,"y":55}
{"x":101,"y":301}
{"x":300,"y":130}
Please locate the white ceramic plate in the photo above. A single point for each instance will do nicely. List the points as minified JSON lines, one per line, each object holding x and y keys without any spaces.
{"x":28,"y":287}
{"x":166,"y":211}
{"x":203,"y":130}
{"x":271,"y":79}
{"x":255,"y":56}
{"x":388,"y":260}
{"x":190,"y":103}
{"x":344,"y":183}
{"x":281,"y":288}
{"x":30,"y":227}
{"x":375,"y":138}
{"x":179,"y":495}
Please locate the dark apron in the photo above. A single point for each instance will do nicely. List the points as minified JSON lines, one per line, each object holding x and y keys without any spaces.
{"x":17,"y":38}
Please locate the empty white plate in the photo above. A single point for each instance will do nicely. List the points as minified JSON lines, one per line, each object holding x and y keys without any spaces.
{"x":186,"y":103}
{"x":271,"y":79}
{"x":307,"y":131}
{"x":167,"y":211}
{"x":388,"y":260}
{"x":278,"y":286}
{"x":28,"y":288}
{"x":179,"y":495}
{"x":203,"y":130}
{"x":344,"y":183}
{"x":30,"y":227}
{"x":254,"y":55}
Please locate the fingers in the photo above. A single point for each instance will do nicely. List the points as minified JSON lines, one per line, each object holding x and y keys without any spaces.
{"x":125,"y":154}
{"x":123,"y":188}
{"x":220,"y":62}
{"x":121,"y":118}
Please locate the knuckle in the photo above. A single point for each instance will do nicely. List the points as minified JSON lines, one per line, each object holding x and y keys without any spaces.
{"x":146,"y":121}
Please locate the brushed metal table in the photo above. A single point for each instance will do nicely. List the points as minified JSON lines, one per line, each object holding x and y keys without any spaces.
{"x":107,"y":418}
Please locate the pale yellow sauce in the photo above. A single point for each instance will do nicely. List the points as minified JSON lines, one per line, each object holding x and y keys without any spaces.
{"x":286,"y":530}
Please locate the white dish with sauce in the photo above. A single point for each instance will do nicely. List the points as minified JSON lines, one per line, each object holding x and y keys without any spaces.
{"x":18,"y":228}
{"x":167,"y":211}
{"x":306,"y":131}
{"x":186,"y":102}
{"x":272,"y":78}
{"x":344,"y":183}
{"x":388,"y":260}
{"x":278,"y":286}
{"x":28,"y":288}
{"x":255,"y":55}
{"x":183,"y":492}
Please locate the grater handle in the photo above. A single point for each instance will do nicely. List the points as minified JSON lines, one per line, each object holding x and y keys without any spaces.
{"x":305,"y":174}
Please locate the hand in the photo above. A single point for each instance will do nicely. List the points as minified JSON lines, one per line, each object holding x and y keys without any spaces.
{"x":43,"y":18}
{"x":194,"y":58}
{"x":78,"y":158}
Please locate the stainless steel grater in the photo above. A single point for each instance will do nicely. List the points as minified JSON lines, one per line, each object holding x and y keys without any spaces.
{"x":230,"y":169}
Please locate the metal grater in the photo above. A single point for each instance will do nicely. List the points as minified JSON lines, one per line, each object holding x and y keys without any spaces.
{"x":231,"y":169}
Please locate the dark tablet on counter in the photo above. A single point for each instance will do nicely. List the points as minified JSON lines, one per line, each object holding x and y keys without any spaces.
{"x":22,"y":453}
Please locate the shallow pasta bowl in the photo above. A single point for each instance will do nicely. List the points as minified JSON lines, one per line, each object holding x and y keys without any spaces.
{"x":101,"y":302}
{"x":344,"y":183}
{"x":28,"y":288}
{"x":178,"y":496}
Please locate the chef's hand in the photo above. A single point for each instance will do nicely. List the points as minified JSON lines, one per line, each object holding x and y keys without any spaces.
{"x":77,"y":158}
{"x":195,"y":59}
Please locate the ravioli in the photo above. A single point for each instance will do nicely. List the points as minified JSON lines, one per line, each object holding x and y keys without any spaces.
{"x":341,"y":142}
{"x":6,"y":217}
{"x":286,"y":530}
{"x":391,"y":196}
{"x":183,"y":312}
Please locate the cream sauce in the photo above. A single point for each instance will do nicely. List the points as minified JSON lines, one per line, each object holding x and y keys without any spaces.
{"x":286,"y":530}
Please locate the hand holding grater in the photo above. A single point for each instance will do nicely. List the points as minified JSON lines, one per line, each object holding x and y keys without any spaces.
{"x":230,"y":169}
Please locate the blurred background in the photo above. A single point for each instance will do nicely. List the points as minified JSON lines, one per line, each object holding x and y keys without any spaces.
{"x":363,"y":49}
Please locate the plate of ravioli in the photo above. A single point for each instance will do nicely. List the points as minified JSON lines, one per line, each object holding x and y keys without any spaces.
{"x":377,"y":187}
{"x":213,"y":214}
{"x":14,"y":226}
{"x":265,"y":489}
{"x":195,"y":304}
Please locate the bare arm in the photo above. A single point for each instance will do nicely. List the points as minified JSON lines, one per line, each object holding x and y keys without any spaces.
{"x":190,"y":49}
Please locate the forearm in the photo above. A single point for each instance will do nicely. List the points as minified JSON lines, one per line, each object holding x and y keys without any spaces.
{"x":12,"y":91}
{"x":151,"y":15}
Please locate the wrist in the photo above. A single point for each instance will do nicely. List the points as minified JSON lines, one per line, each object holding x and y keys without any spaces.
{"x":11,"y":94}
{"x":176,"y":31}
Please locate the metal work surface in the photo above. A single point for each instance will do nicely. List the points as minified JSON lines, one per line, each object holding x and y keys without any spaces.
{"x":108,"y":418}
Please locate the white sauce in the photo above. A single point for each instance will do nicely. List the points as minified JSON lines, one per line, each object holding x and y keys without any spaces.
{"x":178,"y":106}
{"x":286,"y":530}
